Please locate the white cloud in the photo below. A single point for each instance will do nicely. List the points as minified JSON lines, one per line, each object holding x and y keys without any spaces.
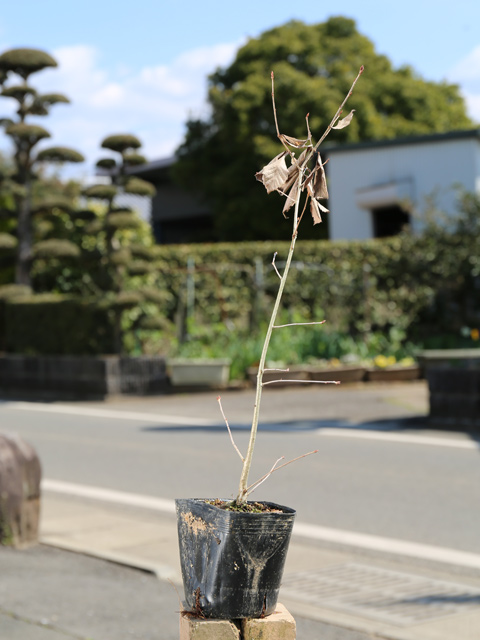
{"x":466,"y":73}
{"x":153,"y":102}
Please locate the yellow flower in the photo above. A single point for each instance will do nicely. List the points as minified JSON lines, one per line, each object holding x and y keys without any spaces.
{"x":475,"y":334}
{"x":383,"y":361}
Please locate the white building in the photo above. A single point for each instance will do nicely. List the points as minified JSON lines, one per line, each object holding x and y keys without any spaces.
{"x":377,"y":188}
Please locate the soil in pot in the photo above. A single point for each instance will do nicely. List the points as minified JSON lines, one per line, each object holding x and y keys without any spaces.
{"x":232,"y":561}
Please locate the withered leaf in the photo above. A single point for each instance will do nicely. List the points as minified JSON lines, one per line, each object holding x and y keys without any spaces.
{"x":320,"y":182}
{"x":344,"y":122}
{"x":291,"y":196}
{"x":274,"y":174}
{"x":316,"y":209}
{"x":294,"y":142}
{"x":293,"y":170}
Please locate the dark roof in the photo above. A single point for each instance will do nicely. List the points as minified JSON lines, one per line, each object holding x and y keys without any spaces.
{"x":395,"y":142}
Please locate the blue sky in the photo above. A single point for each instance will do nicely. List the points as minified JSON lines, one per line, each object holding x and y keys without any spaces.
{"x":141,"y":67}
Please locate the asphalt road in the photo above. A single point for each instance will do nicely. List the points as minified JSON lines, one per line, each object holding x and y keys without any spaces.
{"x":378,"y":470}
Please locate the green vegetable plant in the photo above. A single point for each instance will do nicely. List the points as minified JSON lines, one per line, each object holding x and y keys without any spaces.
{"x":304,"y":175}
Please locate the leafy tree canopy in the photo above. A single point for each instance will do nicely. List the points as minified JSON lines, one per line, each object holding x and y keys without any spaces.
{"x":121,"y":142}
{"x":23,"y":62}
{"x":59,"y":154}
{"x":314,"y":67}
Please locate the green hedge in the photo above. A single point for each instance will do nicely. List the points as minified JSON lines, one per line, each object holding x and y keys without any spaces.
{"x":423,"y":285}
{"x":426,"y":288}
{"x":54,"y":325}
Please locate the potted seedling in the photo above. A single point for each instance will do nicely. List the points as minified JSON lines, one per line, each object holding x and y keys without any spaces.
{"x":232,"y":552}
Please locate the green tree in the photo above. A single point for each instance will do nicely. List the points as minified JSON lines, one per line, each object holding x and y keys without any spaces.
{"x":28,"y":162}
{"x":119,"y":250}
{"x":314,"y":67}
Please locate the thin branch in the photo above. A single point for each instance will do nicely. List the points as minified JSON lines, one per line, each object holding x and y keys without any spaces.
{"x":308,"y":127}
{"x":303,"y":381}
{"x":284,"y":370}
{"x":339,"y":110}
{"x":253,"y":486}
{"x":275,"y":266}
{"x":297,"y":324}
{"x":304,"y":209}
{"x":256,"y":484}
{"x":229,"y":430}
{"x":272,"y":75}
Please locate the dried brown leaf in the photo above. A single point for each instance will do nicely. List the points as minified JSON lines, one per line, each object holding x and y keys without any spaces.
{"x":274,"y":174}
{"x":344,"y":122}
{"x":291,"y":196}
{"x":294,"y":142}
{"x":316,"y":209}
{"x":320,"y":189}
{"x":293,"y":171}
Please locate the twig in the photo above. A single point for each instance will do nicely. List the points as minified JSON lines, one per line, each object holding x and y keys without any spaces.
{"x":256,"y":484}
{"x":253,"y":486}
{"x":309,"y":133}
{"x":303,"y":381}
{"x":303,"y":211}
{"x":296,"y":324}
{"x":229,"y":430}
{"x":339,"y":111}
{"x":275,"y":266}
{"x":284,"y":370}
{"x":272,"y":75}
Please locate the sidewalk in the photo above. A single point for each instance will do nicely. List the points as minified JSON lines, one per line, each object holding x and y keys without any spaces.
{"x":334,"y":591}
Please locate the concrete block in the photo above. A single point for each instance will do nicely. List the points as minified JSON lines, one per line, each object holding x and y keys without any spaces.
{"x":20,"y":474}
{"x":279,"y":625}
{"x":193,"y":628}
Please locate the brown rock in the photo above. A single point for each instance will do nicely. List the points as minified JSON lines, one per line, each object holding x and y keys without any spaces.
{"x":20,"y":474}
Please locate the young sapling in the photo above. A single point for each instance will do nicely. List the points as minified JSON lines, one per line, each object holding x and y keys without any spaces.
{"x":305,"y":174}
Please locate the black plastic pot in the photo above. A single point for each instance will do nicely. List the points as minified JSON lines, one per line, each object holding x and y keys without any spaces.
{"x":232,"y":562}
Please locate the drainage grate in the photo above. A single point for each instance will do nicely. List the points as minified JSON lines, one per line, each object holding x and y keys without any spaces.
{"x":400,"y":599}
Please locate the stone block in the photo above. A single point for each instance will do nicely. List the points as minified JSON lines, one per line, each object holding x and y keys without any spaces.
{"x":279,"y":625}
{"x":193,"y":628}
{"x":75,"y":377}
{"x":20,"y":474}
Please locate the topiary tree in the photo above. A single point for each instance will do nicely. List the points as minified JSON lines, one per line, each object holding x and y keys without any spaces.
{"x":123,"y":252}
{"x":27,"y":160}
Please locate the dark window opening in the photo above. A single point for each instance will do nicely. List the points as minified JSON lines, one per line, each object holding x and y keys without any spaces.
{"x":389,"y":221}
{"x":195,"y":229}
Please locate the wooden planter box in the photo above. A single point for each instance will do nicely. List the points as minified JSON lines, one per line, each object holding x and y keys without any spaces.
{"x":294,"y":373}
{"x":310,"y":373}
{"x":341,"y":374}
{"x":453,"y":377}
{"x":393,"y":374}
{"x":199,"y":372}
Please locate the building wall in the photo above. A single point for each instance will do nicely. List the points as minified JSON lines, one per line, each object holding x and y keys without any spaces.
{"x":394,"y":174}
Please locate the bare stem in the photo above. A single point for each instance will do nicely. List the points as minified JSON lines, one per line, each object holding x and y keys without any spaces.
{"x":243,"y":486}
{"x":272,"y":75}
{"x":275,"y":266}
{"x":256,"y":484}
{"x":339,"y":110}
{"x":229,"y":430}
{"x":297,"y":324}
{"x":302,"y":381}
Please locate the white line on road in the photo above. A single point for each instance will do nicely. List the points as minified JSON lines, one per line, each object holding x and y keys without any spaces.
{"x":107,"y":413}
{"x":304,"y":530}
{"x":109,"y":495}
{"x":404,"y":438}
{"x":349,"y":430}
